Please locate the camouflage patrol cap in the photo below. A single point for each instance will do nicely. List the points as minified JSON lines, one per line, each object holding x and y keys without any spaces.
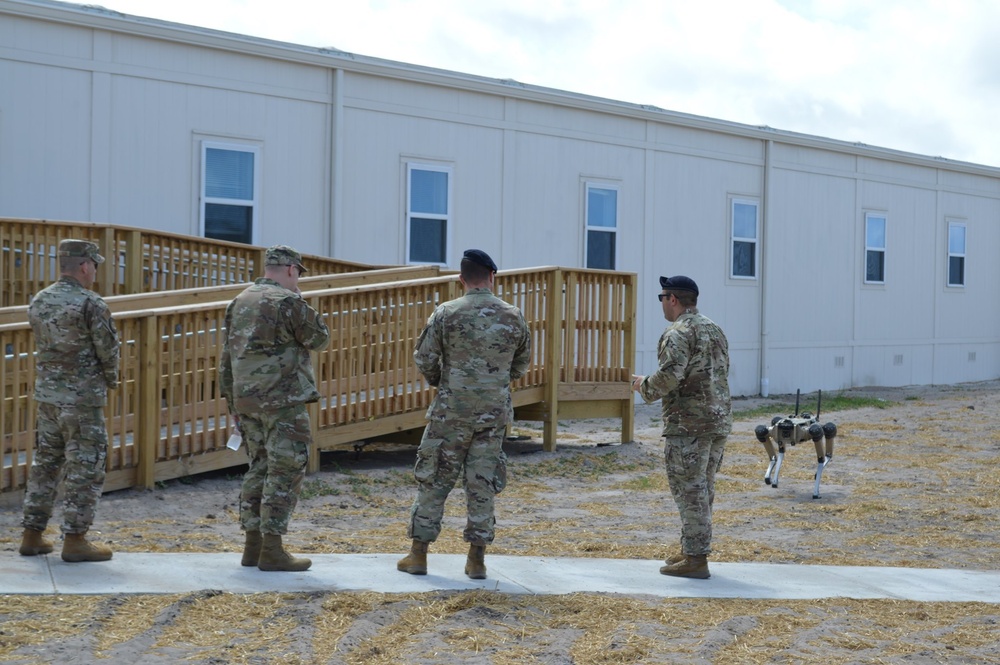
{"x":83,"y":249}
{"x":283,"y":255}
{"x":678,"y":283}
{"x":479,"y":257}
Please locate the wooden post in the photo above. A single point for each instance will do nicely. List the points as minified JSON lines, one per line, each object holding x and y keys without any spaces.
{"x":5,"y":284}
{"x":6,"y":264}
{"x":313,"y":463}
{"x":147,"y":427}
{"x":258,"y":270}
{"x":107,"y":272}
{"x":553,"y":357}
{"x":452,"y":290}
{"x":134,"y":260}
{"x":628,"y":406}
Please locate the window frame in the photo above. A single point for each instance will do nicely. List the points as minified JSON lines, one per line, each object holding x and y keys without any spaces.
{"x":733,"y":238}
{"x":252,"y":203}
{"x":883,"y":250}
{"x":447,"y":217}
{"x":589,"y":185}
{"x":956,"y":224}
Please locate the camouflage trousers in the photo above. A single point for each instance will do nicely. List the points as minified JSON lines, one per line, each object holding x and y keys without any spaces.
{"x":278,"y":445}
{"x":691,"y":467}
{"x":70,"y":441}
{"x":446,"y":451}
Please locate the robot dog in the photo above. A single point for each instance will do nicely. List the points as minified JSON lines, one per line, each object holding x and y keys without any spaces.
{"x":794,"y":429}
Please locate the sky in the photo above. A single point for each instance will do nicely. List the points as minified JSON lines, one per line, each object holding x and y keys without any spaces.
{"x":920,"y":76}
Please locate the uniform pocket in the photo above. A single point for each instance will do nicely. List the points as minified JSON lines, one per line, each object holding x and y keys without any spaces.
{"x":500,"y":473}
{"x":426,"y":466}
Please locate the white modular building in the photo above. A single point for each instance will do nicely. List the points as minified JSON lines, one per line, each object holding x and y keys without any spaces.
{"x":829,"y":264}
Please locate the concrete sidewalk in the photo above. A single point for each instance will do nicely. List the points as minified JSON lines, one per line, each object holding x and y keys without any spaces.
{"x":136,"y":573}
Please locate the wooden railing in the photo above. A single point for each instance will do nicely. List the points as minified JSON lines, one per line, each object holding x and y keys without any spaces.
{"x":137,"y":261}
{"x":167,"y":419}
{"x":185,"y":297}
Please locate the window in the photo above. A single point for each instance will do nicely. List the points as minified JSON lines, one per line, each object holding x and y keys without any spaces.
{"x":428,"y":213}
{"x":602,"y":226}
{"x":874,"y":248}
{"x":744,"y":226}
{"x":956,"y":254}
{"x":229,"y":191}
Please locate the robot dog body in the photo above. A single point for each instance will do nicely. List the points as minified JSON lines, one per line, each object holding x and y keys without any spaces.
{"x":790,"y":430}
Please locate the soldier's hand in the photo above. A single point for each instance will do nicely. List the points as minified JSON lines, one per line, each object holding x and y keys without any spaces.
{"x":637,"y":381}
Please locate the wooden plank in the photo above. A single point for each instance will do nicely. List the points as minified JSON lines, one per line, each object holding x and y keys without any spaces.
{"x":190,"y":465}
{"x":121,"y":479}
{"x":409,"y":437}
{"x":591,"y":409}
{"x":594,"y":390}
{"x":524,"y":396}
{"x":367,"y":429}
{"x":538,"y":412}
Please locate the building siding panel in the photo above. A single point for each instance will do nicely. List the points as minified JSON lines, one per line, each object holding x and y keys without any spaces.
{"x":101,"y":123}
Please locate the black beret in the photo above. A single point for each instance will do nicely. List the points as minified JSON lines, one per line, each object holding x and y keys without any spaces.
{"x":480,"y":257}
{"x":678,"y":283}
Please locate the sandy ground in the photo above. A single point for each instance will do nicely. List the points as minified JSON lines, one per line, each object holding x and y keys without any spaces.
{"x":912,"y":483}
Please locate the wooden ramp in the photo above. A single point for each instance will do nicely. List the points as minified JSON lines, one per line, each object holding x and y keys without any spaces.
{"x":168,"y":420}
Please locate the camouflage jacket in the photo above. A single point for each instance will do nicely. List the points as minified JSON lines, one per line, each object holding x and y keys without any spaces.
{"x":693,"y":378}
{"x":270,"y":331}
{"x":77,"y":343}
{"x":471,"y":349}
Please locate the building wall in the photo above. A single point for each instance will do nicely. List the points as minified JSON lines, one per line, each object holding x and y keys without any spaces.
{"x":102,"y":118}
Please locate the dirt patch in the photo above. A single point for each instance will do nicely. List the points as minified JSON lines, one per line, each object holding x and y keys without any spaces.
{"x":911,"y":484}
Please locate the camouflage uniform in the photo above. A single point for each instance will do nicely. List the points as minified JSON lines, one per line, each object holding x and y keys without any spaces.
{"x":267,"y":379}
{"x":76,"y":363}
{"x":471,"y":349}
{"x":693,"y":384}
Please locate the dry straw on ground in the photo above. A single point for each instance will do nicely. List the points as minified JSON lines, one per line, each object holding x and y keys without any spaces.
{"x":910,"y":485}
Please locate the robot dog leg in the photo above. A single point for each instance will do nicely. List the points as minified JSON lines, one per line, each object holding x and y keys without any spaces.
{"x":774,"y":458}
{"x":824,"y":452}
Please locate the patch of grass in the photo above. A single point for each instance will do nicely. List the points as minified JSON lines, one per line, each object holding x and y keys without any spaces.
{"x":360,"y":486}
{"x":313,"y":488}
{"x":807,"y":403}
{"x":645,"y":483}
{"x":579,"y":465}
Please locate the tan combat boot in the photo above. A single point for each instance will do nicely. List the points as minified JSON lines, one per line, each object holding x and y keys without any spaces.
{"x":675,"y":558}
{"x":274,"y":557}
{"x":251,"y":549}
{"x":475,"y":567}
{"x":33,"y":544}
{"x":414,"y":563}
{"x":77,"y":548}
{"x":695,"y":567}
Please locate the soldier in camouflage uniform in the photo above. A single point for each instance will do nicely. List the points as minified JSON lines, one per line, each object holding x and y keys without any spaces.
{"x":267,"y":380}
{"x":693,"y":384}
{"x":471,"y":349}
{"x":76,"y":363}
